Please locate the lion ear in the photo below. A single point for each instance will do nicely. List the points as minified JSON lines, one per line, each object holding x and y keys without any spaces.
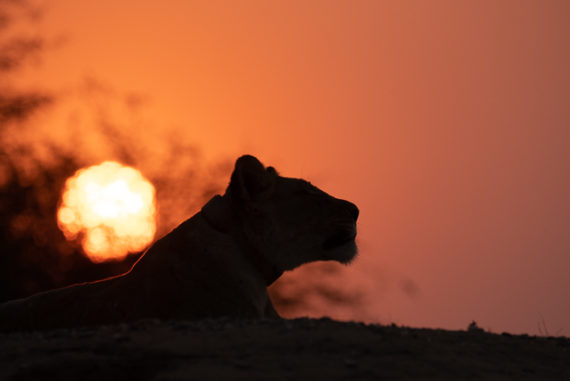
{"x":250,"y":179}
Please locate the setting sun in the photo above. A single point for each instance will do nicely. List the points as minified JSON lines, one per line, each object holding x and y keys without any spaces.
{"x":110,"y":208}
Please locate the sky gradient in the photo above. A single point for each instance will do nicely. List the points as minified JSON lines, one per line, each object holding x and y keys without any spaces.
{"x":447,"y":123}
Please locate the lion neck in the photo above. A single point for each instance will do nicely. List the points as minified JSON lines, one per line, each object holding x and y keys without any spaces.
{"x":219,"y":215}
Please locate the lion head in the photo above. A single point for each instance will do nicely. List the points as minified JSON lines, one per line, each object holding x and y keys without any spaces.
{"x":284,"y":221}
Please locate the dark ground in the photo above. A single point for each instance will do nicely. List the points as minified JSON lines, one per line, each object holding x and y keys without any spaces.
{"x":278,"y":350}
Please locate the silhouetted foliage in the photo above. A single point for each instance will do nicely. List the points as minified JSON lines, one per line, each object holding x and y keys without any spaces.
{"x":34,"y":254}
{"x":19,"y":106}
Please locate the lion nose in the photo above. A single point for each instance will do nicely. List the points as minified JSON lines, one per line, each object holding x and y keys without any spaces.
{"x":351,"y":209}
{"x":354,"y":211}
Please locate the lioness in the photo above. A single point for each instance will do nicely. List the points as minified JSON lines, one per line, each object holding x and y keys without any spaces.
{"x":217,"y":263}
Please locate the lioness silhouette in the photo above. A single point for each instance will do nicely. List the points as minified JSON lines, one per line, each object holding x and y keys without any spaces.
{"x":217,"y":263}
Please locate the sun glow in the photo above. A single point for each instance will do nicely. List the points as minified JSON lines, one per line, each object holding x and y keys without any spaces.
{"x":110,"y":208}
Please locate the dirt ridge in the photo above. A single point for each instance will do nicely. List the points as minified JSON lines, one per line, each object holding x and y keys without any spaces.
{"x":229,"y":349}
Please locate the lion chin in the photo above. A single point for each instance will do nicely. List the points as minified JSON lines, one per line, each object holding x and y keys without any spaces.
{"x":217,"y":263}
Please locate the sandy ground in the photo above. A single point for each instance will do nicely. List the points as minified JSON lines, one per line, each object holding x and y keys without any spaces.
{"x":278,"y":350}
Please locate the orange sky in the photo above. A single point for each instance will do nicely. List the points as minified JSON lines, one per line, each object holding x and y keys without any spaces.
{"x":447,"y":123}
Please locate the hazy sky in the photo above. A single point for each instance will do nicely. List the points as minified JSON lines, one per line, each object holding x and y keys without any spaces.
{"x":447,"y":123}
